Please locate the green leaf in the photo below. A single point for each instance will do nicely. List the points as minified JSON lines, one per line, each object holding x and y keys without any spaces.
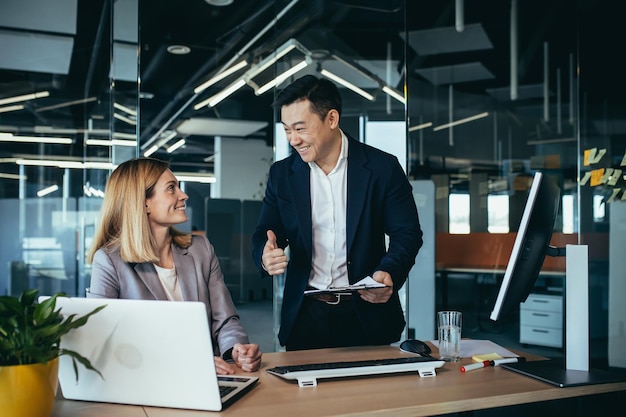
{"x":77,"y":357}
{"x":30,"y":332}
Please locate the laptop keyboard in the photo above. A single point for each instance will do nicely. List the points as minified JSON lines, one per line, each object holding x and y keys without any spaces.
{"x":225,"y":390}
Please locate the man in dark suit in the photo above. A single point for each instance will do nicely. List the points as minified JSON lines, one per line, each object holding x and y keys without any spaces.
{"x":333,"y":203}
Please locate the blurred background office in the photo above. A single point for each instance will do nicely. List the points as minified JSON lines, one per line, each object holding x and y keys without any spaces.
{"x":471,"y":96}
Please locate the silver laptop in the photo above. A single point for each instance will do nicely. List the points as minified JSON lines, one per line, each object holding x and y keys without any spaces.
{"x":152,"y":353}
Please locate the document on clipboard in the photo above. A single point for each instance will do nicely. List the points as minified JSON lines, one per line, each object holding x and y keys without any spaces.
{"x":366,"y":283}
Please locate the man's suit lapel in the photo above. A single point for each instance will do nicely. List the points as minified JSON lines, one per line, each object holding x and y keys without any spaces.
{"x":300,"y":187}
{"x":358,"y":181}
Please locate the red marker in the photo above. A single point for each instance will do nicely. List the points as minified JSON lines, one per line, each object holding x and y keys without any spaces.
{"x":476,"y":365}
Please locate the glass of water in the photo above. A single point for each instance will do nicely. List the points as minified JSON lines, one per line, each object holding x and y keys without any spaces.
{"x":449,"y":326}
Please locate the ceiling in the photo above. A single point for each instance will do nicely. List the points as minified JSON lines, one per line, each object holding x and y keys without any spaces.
{"x":63,"y":47}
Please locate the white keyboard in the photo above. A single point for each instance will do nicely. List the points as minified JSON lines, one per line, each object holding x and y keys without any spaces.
{"x":307,"y":374}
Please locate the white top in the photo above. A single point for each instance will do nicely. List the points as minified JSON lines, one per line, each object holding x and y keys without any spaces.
{"x":328,"y":209}
{"x":169,"y":280}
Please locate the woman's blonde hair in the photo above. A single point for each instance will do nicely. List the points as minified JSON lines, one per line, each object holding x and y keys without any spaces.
{"x":124,"y":221}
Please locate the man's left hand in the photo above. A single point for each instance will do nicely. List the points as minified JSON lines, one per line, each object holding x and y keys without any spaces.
{"x":379,"y":295}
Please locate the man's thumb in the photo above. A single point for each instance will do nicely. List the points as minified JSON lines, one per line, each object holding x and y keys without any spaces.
{"x":271,"y":239}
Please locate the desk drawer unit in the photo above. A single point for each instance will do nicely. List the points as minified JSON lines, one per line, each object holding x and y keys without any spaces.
{"x":541,"y":320}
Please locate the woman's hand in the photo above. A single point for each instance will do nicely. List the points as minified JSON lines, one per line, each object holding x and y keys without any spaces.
{"x":247,"y":356}
{"x":222,"y":367}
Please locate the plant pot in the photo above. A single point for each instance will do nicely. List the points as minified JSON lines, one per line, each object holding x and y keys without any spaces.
{"x":28,"y":390}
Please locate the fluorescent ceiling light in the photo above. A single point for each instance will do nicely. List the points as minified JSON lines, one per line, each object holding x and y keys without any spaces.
{"x":214,"y":100}
{"x":92,"y":192}
{"x":220,"y":76}
{"x":461,"y":121}
{"x":125,"y":119}
{"x":66,"y":104}
{"x":151,"y":150}
{"x":24,"y":97}
{"x":11,"y":108}
{"x":125,"y":109}
{"x":12,"y":176}
{"x":394,"y":93}
{"x":121,"y":135}
{"x":282,"y":77}
{"x":65,"y":164}
{"x":346,"y":84}
{"x":176,"y":146}
{"x":419,"y":127}
{"x":114,"y":142}
{"x":205,"y":179}
{"x":8,"y":137}
{"x":47,"y":190}
{"x":283,"y":50}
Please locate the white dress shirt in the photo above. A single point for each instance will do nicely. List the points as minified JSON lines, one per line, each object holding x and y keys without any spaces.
{"x":328,"y":209}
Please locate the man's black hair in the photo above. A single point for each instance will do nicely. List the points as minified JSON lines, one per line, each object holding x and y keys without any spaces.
{"x":323,"y":95}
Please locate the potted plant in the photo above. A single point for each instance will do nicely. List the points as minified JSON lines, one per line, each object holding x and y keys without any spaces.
{"x":30,"y":336}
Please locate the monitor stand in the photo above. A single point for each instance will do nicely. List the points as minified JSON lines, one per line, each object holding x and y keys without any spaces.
{"x":575,"y":370}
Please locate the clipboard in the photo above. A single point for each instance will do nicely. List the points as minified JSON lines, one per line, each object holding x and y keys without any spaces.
{"x":367,"y":283}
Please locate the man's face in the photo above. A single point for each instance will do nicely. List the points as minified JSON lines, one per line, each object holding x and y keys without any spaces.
{"x":314,"y":139}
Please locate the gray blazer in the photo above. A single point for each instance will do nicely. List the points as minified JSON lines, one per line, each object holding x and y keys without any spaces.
{"x":200,"y":279}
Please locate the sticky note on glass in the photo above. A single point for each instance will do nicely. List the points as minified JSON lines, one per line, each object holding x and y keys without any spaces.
{"x":486,"y":357}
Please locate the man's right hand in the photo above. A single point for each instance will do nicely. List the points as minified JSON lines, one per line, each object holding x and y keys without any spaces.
{"x":273,"y":260}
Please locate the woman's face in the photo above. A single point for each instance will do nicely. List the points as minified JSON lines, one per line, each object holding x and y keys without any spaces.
{"x":166,"y":207}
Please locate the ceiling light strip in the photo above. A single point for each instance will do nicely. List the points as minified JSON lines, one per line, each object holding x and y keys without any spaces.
{"x":394,"y":93}
{"x":176,"y":146}
{"x":65,"y":164}
{"x":15,"y":107}
{"x":125,"y":119}
{"x":220,"y":76}
{"x":151,"y":150}
{"x":24,"y":97}
{"x":214,"y":100}
{"x":282,"y":77}
{"x":125,"y":109}
{"x":66,"y":104}
{"x":47,"y":190}
{"x":347,"y":84}
{"x":196,"y":178}
{"x":34,"y":139}
{"x":461,"y":121}
{"x":12,"y":176}
{"x":420,"y":126}
{"x":272,"y":58}
{"x":114,"y":142}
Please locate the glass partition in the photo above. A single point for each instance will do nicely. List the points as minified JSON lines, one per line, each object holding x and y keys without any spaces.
{"x":487,"y":94}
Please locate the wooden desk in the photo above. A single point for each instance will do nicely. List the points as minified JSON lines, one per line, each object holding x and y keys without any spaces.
{"x":399,"y":395}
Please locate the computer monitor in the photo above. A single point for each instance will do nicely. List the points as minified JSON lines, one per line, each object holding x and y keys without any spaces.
{"x":532,"y":243}
{"x":531,"y":246}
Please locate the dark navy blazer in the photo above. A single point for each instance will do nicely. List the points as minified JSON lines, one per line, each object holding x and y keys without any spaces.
{"x":379,"y":202}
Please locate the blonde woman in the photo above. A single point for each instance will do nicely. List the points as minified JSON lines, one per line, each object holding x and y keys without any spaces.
{"x":138,"y":253}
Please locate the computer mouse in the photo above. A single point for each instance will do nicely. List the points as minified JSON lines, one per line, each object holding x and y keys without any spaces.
{"x":415,"y":346}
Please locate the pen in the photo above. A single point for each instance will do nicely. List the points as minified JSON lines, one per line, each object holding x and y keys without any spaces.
{"x":507,"y":360}
{"x":476,"y":365}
